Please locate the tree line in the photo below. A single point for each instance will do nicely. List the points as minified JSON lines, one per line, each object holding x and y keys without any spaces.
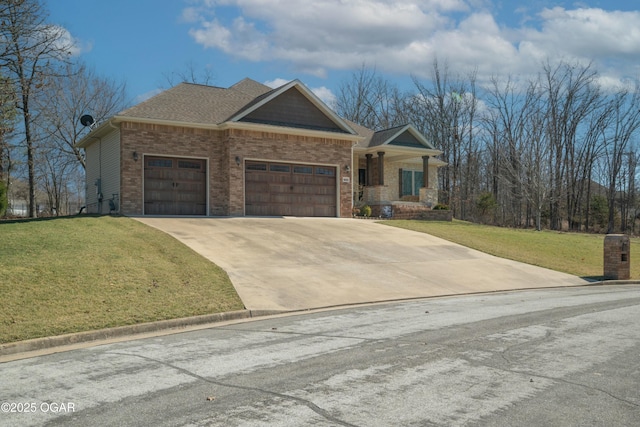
{"x":44,"y":90}
{"x":556,"y":150}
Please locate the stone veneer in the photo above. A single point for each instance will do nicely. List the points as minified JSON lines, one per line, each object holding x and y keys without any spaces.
{"x":390,"y":191}
{"x":220,"y":148}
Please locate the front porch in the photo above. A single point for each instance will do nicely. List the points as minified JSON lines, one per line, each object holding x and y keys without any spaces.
{"x":399,"y":187}
{"x":395,"y":172}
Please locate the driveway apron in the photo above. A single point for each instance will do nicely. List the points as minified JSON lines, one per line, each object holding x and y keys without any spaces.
{"x":303,"y":263}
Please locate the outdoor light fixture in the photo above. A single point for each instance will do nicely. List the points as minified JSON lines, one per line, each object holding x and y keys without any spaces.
{"x":348,"y":168}
{"x":135,"y":156}
{"x":238,"y":160}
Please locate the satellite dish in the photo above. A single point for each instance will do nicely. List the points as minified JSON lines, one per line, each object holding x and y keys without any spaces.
{"x":87,"y":120}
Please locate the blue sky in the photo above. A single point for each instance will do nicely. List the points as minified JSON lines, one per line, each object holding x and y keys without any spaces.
{"x":322,"y":42}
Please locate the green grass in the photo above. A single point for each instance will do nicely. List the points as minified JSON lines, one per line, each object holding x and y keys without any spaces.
{"x":573,"y":253}
{"x":83,"y":273}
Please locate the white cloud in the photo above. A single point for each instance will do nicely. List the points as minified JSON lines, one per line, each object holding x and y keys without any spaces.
{"x":190,"y":15}
{"x":404,"y":36}
{"x":325,"y":95}
{"x":65,"y":41}
{"x":240,"y":39}
{"x":589,"y":32}
{"x":276,"y":83}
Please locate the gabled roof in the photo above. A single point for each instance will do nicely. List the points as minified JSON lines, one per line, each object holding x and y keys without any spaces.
{"x":293,"y":85}
{"x":405,"y":135}
{"x":400,"y":143}
{"x":195,"y":104}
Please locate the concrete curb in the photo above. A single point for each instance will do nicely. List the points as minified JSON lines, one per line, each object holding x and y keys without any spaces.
{"x":175,"y":325}
{"x":614,"y":282}
{"x":38,"y":344}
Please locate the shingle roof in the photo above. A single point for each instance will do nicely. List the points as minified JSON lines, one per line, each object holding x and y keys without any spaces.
{"x":373,"y":139}
{"x":209,"y":105}
{"x":362,"y":131}
{"x":251,"y":87}
{"x":383,"y":136}
{"x":193,"y":103}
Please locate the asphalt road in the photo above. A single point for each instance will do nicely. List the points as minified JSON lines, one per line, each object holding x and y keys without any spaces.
{"x":551,"y":357}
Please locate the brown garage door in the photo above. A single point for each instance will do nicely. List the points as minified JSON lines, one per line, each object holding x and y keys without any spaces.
{"x":275,"y":189}
{"x":174,"y":186}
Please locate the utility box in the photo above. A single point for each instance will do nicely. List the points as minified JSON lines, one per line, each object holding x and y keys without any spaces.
{"x":617,"y":263}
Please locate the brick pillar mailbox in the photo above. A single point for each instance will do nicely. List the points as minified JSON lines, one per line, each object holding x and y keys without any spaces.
{"x":617,"y":261}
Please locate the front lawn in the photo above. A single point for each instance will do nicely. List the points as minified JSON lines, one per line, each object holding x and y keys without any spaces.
{"x":83,"y":273}
{"x":574,"y":253}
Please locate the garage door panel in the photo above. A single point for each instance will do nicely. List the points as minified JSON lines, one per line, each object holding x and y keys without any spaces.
{"x":302,"y":210}
{"x":174,"y":186}
{"x":257,"y":199}
{"x":298,"y":190}
{"x":303,"y":179}
{"x":282,"y":199}
{"x":324,"y":211}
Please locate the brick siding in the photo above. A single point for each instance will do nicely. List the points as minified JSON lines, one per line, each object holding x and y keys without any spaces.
{"x":617,"y":255}
{"x":220,"y":148}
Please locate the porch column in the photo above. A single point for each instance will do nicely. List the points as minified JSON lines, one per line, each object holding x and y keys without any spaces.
{"x":380,"y":167}
{"x":425,"y":171}
{"x":369,"y":169}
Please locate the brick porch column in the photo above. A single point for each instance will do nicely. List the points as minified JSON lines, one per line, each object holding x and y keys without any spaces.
{"x":425,"y":171}
{"x":369,"y":169}
{"x":380,"y":167}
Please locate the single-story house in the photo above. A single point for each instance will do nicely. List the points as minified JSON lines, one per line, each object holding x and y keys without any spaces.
{"x":251,"y":150}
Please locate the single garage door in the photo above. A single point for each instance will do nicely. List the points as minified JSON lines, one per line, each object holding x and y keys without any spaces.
{"x":278,"y":189}
{"x":174,"y":186}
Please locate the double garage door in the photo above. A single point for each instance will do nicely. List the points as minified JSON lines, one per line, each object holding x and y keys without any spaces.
{"x":178,"y":186}
{"x":285,"y":189}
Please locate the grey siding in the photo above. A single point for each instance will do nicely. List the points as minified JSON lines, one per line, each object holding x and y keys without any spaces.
{"x":292,"y":109}
{"x":103,"y":173}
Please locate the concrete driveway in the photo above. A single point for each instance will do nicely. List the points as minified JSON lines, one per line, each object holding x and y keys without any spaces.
{"x":303,"y":263}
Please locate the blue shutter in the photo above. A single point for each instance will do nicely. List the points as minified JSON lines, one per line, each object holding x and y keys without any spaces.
{"x":407,"y":182}
{"x":417,"y":184}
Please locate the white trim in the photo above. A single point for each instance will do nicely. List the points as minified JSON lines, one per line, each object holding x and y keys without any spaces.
{"x":400,"y":150}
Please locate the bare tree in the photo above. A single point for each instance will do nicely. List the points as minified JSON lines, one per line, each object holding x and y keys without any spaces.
{"x":618,"y":142}
{"x":518,"y":124}
{"x":370,"y":100}
{"x":29,"y":48}
{"x":65,"y":98}
{"x":53,"y":169}
{"x":7,"y":125}
{"x":190,"y":74}
{"x":572,"y":94}
{"x":445,"y":111}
